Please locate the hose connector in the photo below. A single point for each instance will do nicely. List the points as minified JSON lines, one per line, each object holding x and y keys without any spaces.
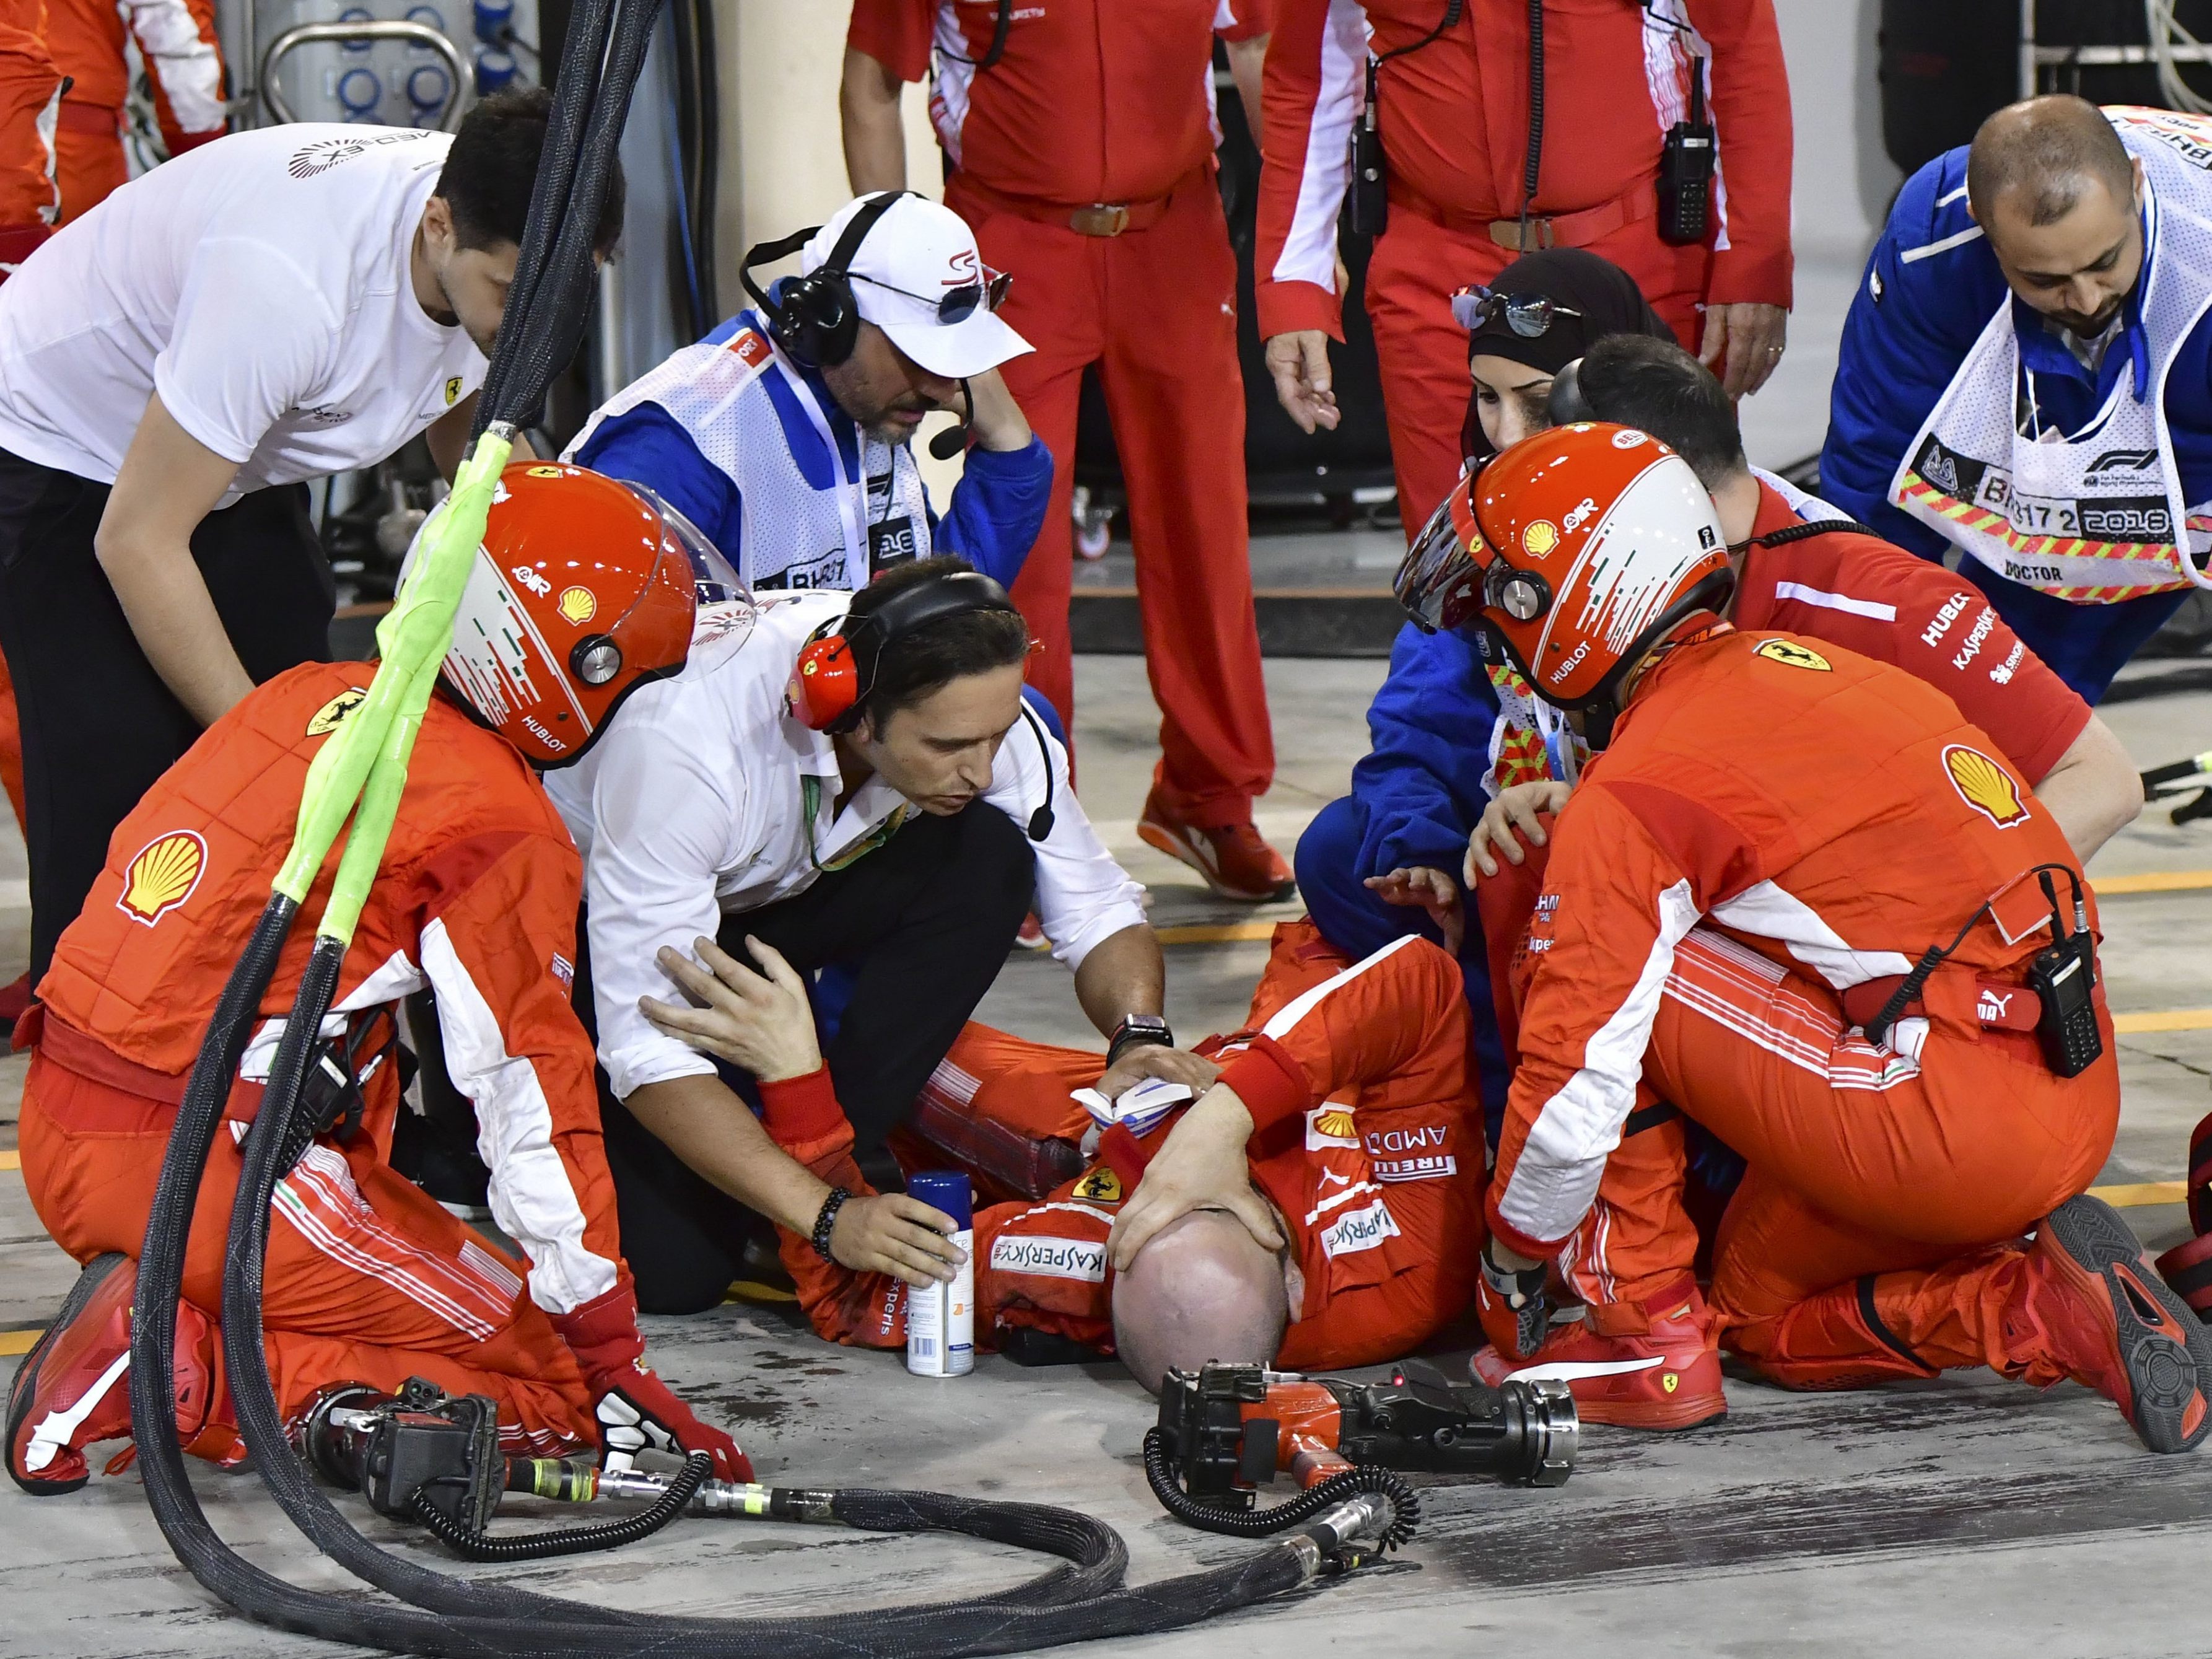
{"x":1355,"y":1531}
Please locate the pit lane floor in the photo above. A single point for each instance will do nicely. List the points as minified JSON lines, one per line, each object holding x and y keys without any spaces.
{"x":1960,"y":1517}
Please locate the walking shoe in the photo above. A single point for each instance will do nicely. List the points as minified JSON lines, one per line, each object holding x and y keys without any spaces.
{"x":73,"y":1389}
{"x":1234,"y":859}
{"x":1031,"y":934}
{"x":1668,"y":1376}
{"x":2090,"y":1305}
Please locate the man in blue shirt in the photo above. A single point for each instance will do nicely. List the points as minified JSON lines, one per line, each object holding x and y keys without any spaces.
{"x":2027,"y":375}
{"x":787,"y":442}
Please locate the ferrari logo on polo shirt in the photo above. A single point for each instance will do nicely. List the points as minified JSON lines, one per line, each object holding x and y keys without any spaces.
{"x":327,"y":718}
{"x":1984,"y":785}
{"x":452,"y":390}
{"x":162,"y":876}
{"x":1791,"y":654}
{"x":578,"y":605}
{"x":1101,"y":1186}
{"x":1330,"y":1125}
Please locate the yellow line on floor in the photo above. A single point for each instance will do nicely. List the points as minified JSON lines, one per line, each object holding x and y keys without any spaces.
{"x":1217,"y":933}
{"x":2169,"y":1019}
{"x":18,"y":1342}
{"x":2155,"y":881}
{"x":11,"y":1160}
{"x":2142,"y":1194}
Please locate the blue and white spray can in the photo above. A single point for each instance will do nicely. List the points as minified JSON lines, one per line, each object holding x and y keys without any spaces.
{"x":940,"y":1318}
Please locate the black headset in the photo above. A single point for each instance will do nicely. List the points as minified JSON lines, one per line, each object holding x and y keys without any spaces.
{"x":817,"y":321}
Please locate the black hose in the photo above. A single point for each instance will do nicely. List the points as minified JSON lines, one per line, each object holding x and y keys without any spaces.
{"x":1535,"y":161}
{"x":1314,"y":1500}
{"x":465,"y":1540}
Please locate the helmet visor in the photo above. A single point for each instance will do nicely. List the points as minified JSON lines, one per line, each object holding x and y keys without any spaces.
{"x":1440,"y":584}
{"x":726,"y":612}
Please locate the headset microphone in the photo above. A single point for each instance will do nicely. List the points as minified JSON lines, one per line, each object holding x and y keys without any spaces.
{"x":1040,"y":824}
{"x":954,"y":438}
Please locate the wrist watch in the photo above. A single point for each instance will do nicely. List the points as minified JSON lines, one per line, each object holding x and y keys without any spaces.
{"x":1137,"y":1031}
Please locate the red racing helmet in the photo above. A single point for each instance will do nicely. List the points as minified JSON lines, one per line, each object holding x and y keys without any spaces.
{"x":584,"y":588}
{"x":1578,"y":550}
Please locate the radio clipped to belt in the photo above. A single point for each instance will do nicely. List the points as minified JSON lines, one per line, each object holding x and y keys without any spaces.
{"x":2062,"y":978}
{"x":1367,"y":204}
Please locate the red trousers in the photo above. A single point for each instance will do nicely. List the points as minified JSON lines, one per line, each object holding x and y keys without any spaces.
{"x":368,"y":1279}
{"x":1862,"y":1162}
{"x":30,"y":93}
{"x":1041,"y":1263}
{"x":1155,"y":309}
{"x":90,"y":159}
{"x":1422,"y":352}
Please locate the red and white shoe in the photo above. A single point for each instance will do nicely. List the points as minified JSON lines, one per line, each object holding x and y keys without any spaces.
{"x":73,"y":1389}
{"x":1666,"y":1377}
{"x":1236,"y":862}
{"x":2092,"y":1306}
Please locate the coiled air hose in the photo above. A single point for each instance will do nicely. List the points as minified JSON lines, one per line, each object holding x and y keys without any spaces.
{"x":1316,"y":1499}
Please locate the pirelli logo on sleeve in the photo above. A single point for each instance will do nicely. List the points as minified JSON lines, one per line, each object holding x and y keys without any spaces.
{"x":1040,"y":1255}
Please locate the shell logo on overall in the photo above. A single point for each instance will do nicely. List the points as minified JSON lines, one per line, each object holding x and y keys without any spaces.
{"x":1984,"y":785}
{"x":1331,"y":1125}
{"x":162,"y":876}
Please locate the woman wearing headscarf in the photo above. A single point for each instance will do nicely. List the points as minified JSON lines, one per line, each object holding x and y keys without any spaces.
{"x":1544,"y":311}
{"x":1383,"y":861}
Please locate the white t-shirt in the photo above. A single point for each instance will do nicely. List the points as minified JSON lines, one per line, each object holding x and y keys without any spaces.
{"x":691,"y":806}
{"x":260,"y":284}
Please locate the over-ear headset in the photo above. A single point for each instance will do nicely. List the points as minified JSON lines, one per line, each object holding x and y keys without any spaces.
{"x":837,"y":666}
{"x":815,"y":319}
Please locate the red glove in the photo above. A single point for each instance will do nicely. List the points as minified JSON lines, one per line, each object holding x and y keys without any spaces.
{"x":635,"y":1411}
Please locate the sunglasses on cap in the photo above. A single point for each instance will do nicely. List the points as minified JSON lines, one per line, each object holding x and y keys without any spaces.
{"x":956,"y":305}
{"x":1528,"y":315}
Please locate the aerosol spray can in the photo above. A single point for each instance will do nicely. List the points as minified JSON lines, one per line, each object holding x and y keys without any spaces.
{"x":941,"y":1319}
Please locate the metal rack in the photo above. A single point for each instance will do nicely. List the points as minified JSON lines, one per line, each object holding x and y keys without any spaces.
{"x":2034,"y":58}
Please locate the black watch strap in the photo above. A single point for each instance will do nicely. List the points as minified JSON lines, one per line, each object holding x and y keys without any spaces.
{"x":1139,"y":1031}
{"x":827,"y":1220}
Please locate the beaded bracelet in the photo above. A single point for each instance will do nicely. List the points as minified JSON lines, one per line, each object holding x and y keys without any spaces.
{"x":827,"y":1220}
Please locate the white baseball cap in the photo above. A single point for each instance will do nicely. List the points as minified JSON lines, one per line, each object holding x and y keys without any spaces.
{"x":916,"y":257}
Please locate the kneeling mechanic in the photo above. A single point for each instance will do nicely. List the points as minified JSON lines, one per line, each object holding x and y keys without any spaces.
{"x":1800,"y":900}
{"x":862,"y":787}
{"x":367,"y":1280}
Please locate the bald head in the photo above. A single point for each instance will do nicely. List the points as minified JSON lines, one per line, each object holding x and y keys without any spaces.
{"x":2037,"y":159}
{"x":1201,"y":1289}
{"x":2054,"y":190}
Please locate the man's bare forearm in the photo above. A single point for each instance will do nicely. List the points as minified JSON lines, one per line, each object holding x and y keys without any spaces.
{"x":704,"y":1123}
{"x":1125,"y":975}
{"x":868,"y":113}
{"x":166,"y":603}
{"x":2094,"y":790}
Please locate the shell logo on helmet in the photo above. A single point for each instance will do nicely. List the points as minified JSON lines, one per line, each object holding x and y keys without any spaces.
{"x":578,"y":605}
{"x":1984,"y":785}
{"x":1538,"y":540}
{"x":162,"y":876}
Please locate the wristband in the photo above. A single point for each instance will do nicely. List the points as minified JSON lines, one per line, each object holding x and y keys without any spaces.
{"x":827,"y":1220}
{"x":1138,"y":1031}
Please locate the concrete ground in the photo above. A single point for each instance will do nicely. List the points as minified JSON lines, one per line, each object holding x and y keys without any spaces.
{"x":1967,"y":1517}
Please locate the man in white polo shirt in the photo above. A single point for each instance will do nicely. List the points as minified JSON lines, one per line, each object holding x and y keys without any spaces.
{"x":860,"y":785}
{"x":274,"y":306}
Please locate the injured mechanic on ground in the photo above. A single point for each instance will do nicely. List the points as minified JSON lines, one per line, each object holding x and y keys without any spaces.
{"x":1347,"y":1237}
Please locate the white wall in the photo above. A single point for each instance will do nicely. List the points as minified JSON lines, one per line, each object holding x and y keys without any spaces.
{"x":1841,"y":181}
